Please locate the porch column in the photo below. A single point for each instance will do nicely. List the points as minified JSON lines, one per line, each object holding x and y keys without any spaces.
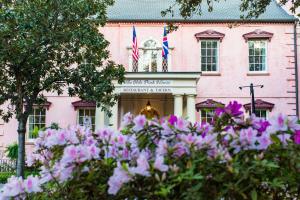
{"x":99,"y":118}
{"x":113,"y":120}
{"x":191,"y":110}
{"x":178,"y":103}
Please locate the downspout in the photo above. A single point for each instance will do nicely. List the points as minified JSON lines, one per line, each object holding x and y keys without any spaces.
{"x":296,"y":66}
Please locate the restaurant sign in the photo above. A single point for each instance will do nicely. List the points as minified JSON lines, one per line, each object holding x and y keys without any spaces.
{"x":147,"y":86}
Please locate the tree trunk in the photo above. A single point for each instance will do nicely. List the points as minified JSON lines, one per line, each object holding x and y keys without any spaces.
{"x":21,"y":147}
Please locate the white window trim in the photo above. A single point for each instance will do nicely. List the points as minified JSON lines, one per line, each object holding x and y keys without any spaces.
{"x":266,"y":60}
{"x":77,"y":118}
{"x":206,"y":115}
{"x":141,"y":53}
{"x":267,"y":112}
{"x":218,"y":57}
{"x":32,"y":140}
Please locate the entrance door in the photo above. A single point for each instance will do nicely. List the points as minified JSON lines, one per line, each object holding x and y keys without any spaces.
{"x":150,"y":105}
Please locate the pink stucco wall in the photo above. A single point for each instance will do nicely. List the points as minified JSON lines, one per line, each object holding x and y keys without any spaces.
{"x":279,"y":82}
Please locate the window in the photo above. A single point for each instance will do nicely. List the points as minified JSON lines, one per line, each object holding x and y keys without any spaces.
{"x":257,"y":55}
{"x":209,"y":55}
{"x":150,"y":56}
{"x":37,"y":121}
{"x":207,"y":115}
{"x":86,"y":117}
{"x":261,"y":113}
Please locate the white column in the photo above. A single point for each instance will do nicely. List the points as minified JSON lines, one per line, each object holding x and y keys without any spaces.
{"x":113,"y":120}
{"x":191,"y":110}
{"x":99,"y":118}
{"x":178,"y":103}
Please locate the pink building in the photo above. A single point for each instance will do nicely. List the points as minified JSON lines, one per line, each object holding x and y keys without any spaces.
{"x":210,"y":57}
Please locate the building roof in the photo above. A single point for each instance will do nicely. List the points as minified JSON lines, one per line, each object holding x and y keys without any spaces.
{"x":223,"y":11}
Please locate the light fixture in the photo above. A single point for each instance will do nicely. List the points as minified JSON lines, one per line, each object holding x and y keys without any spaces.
{"x":148,"y":106}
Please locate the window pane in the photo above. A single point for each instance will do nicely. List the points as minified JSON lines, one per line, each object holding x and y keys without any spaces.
{"x":37,"y":121}
{"x":215,"y":44}
{"x":92,"y":112}
{"x":209,"y":53}
{"x":214,"y":67}
{"x":209,"y":45}
{"x":81,"y":112}
{"x":257,"y":55}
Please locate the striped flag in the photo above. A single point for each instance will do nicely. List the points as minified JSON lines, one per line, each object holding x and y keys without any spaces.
{"x":135,"y":50}
{"x":165,"y":49}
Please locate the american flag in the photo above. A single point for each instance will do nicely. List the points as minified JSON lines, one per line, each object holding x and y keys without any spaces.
{"x":165,"y":49}
{"x":135,"y":50}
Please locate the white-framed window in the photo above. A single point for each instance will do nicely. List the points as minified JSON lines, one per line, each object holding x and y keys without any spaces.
{"x":36,"y":122}
{"x":209,"y":55}
{"x":86,"y":117}
{"x":261,"y":113}
{"x":150,"y":56}
{"x":207,"y":115}
{"x":257,"y":55}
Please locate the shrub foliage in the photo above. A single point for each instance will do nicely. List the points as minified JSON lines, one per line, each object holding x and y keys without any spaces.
{"x":169,"y":158}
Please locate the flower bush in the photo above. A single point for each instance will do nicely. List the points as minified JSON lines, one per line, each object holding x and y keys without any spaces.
{"x":169,"y":158}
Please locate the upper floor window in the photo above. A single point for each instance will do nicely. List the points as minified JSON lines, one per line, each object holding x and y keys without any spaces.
{"x":37,"y":121}
{"x":209,"y":55}
{"x":150,"y":56}
{"x":257,"y":55}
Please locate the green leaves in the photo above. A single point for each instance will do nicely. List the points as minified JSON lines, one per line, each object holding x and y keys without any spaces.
{"x":249,"y":8}
{"x":41,"y":43}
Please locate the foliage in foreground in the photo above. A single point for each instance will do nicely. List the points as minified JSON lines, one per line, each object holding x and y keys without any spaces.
{"x":53,"y":47}
{"x":12,"y":151}
{"x":168,"y":158}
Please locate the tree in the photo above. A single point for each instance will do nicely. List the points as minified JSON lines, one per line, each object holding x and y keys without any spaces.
{"x":52,"y":46}
{"x":252,"y":8}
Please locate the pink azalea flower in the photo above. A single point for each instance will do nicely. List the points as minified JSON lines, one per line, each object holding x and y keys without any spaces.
{"x":260,"y":124}
{"x":180,"y":149}
{"x":279,"y":123}
{"x":248,"y":137}
{"x":297,"y":137}
{"x":127,"y":119}
{"x":233,"y":109}
{"x":142,"y":166}
{"x":105,"y":134}
{"x":89,"y":141}
{"x":167,"y":131}
{"x":159,"y":164}
{"x":188,"y":139}
{"x":94,"y":151}
{"x":264,"y":141}
{"x":139,"y":123}
{"x":172,"y":120}
{"x":162,"y":147}
{"x":12,"y":188}
{"x":32,"y":184}
{"x":115,"y":182}
{"x":293,"y":123}
{"x":182,"y":124}
{"x":284,"y":138}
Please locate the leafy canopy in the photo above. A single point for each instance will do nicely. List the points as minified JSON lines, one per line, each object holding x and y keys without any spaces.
{"x":54,"y":46}
{"x":251,"y":8}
